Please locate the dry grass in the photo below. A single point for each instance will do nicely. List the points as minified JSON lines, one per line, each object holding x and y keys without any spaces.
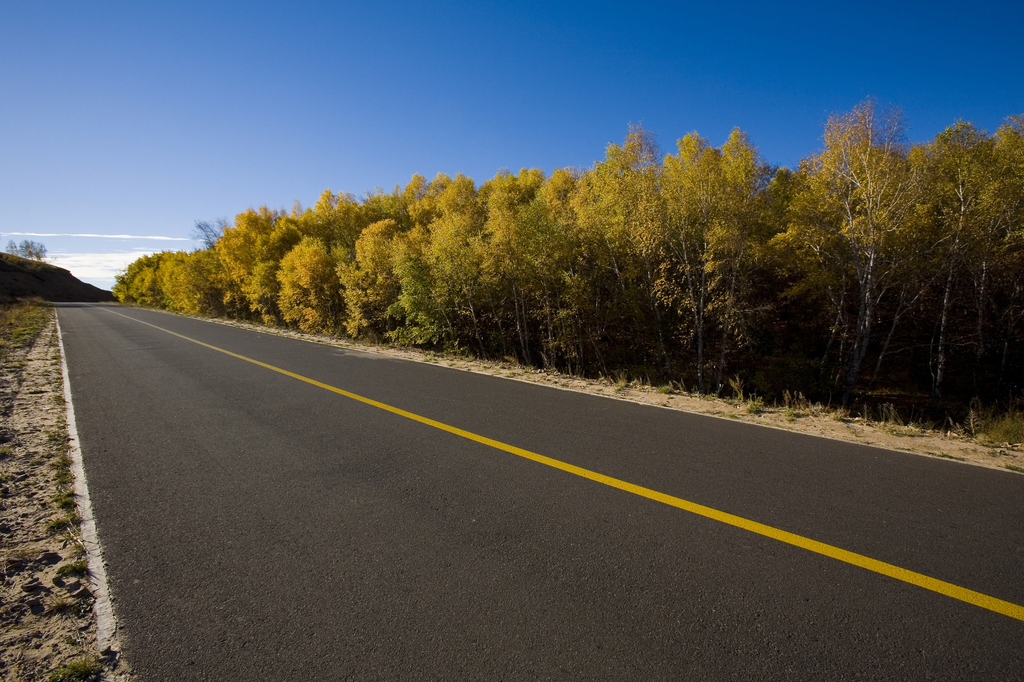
{"x":20,"y":324}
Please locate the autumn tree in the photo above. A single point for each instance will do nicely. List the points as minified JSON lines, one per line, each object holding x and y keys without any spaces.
{"x":567,"y":298}
{"x":716,"y":209}
{"x":620,"y":215}
{"x":453,"y":257}
{"x":336,"y":220}
{"x":139,"y":282}
{"x":509,"y":266}
{"x":695,"y":266}
{"x":251,"y":253}
{"x":961,"y":177}
{"x":852,"y":225}
{"x":370,"y":282}
{"x":205,"y":284}
{"x":1004,"y":249}
{"x":310,"y":294}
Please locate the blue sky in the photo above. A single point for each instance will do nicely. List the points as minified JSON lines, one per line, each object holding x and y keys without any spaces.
{"x":139,"y":118}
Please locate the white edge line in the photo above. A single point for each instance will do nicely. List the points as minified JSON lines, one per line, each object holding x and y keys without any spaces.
{"x":106,"y":623}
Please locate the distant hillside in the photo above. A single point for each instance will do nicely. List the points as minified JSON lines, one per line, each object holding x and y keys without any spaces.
{"x":23,"y":278}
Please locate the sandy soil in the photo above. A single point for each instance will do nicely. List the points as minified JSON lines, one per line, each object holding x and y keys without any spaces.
{"x":46,"y":601}
{"x":800,"y":416}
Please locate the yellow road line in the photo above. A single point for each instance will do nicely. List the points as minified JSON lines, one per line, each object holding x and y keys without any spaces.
{"x":950,"y":590}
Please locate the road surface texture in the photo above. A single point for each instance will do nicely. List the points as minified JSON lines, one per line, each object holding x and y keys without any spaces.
{"x":258,"y":526}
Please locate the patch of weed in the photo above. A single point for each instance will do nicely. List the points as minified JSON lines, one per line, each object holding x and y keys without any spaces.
{"x":1014,"y":467}
{"x":65,"y":501}
{"x":621,"y":381}
{"x":736,"y":383}
{"x":1004,"y":428}
{"x":62,"y":605}
{"x":74,"y":568}
{"x":84,"y":670}
{"x":887,"y":414}
{"x":63,"y":477}
{"x":69,"y":521}
{"x":946,"y":455}
{"x":796,"y":401}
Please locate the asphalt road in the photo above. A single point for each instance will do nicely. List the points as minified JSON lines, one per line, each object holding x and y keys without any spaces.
{"x":259,"y":527}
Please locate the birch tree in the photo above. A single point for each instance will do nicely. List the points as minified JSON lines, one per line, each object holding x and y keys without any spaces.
{"x":854,"y":217}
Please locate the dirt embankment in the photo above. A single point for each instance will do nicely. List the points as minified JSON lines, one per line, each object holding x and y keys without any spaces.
{"x":21,"y":278}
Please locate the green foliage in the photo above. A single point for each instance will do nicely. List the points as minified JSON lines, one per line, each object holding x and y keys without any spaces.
{"x":755,"y":405}
{"x":65,"y":501}
{"x":68,"y":521}
{"x":84,"y":670}
{"x":73,"y":568}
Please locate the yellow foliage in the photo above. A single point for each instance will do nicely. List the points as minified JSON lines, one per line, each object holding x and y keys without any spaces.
{"x":370,"y":283}
{"x":251,"y":253}
{"x":310,"y":293}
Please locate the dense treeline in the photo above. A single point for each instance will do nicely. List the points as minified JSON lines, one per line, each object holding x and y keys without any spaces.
{"x":875,"y":266}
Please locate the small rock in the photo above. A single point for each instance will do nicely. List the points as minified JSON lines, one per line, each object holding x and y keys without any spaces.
{"x":50,"y":558}
{"x":33,"y":586}
{"x":82,"y":593}
{"x":58,"y":581}
{"x":73,"y":585}
{"x":36,"y":607}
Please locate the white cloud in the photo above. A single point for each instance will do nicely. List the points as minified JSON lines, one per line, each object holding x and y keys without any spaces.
{"x":100,"y":236}
{"x":96,"y":268}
